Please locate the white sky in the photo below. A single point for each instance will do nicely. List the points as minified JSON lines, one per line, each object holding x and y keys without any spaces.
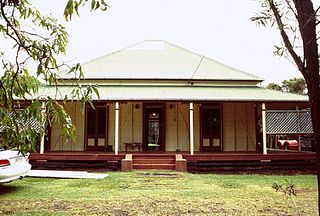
{"x":218,"y":29}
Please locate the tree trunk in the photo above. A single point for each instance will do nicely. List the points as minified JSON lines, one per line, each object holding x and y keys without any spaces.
{"x":307,"y":25}
{"x":315,"y":112}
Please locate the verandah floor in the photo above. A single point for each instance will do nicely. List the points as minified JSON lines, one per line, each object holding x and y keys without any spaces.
{"x":199,"y":161}
{"x":211,"y":156}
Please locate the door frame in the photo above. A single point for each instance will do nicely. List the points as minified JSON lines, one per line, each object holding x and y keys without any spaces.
{"x":102,"y":104}
{"x":161,"y":106}
{"x":211,"y":105}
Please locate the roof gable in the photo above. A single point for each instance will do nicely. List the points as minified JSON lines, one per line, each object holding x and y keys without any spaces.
{"x":155,"y":59}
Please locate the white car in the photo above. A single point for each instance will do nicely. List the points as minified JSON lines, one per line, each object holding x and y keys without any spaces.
{"x":13,"y":165}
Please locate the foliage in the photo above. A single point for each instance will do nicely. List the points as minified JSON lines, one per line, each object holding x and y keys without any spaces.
{"x":73,"y":6}
{"x":294,"y":85}
{"x":37,"y":41}
{"x":283,"y":15}
{"x":274,"y":86}
{"x":289,"y":188}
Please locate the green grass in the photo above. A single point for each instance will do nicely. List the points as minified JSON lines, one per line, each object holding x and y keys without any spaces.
{"x":159,"y":193}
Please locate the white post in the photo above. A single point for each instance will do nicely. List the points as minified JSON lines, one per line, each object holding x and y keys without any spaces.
{"x":116,"y":129}
{"x":264,"y":129}
{"x":43,"y":113}
{"x":191,"y":129}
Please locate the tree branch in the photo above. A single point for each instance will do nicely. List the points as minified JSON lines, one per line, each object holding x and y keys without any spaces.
{"x":18,"y":40}
{"x":5,"y":94}
{"x":286,"y":40}
{"x":15,"y":76}
{"x":292,"y":9}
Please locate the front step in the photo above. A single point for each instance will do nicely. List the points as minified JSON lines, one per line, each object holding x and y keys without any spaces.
{"x":153,"y":156}
{"x":154,"y":161}
{"x":159,"y":161}
{"x":154,"y":166}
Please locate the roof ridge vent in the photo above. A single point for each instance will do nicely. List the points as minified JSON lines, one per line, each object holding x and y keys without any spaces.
{"x":149,"y":45}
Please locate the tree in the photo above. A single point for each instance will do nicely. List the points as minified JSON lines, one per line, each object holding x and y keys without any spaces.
{"x":274,"y":86}
{"x":294,"y":85}
{"x":297,"y":22}
{"x":38,"y":40}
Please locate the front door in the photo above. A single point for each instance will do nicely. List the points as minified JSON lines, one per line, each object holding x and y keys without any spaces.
{"x":153,"y":127}
{"x":96,"y":127}
{"x":211,"y":128}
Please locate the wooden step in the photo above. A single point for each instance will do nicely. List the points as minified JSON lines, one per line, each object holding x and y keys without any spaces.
{"x":160,"y":156}
{"x":154,"y":166}
{"x":154,"y":161}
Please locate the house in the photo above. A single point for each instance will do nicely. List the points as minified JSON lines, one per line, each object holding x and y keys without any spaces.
{"x":157,"y":97}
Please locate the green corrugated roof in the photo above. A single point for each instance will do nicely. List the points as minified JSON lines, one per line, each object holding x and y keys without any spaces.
{"x":154,"y":59}
{"x":183,"y":93}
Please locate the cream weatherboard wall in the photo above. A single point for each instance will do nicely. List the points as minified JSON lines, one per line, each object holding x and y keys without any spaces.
{"x":239,"y":126}
{"x":130,"y":127}
{"x":110,"y":126}
{"x":239,"y":130}
{"x":58,"y":141}
{"x":130,"y":123}
{"x":177,"y":127}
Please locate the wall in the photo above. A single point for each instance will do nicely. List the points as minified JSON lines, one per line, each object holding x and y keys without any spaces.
{"x":58,"y":141}
{"x":130,"y":123}
{"x":239,"y":127}
{"x":177,"y":125}
{"x":177,"y":131}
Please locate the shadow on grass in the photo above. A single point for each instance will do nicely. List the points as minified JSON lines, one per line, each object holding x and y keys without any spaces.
{"x":7,"y":188}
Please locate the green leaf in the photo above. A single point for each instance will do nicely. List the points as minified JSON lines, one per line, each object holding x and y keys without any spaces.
{"x":96,"y":91}
{"x":93,"y":3}
{"x":68,"y":10}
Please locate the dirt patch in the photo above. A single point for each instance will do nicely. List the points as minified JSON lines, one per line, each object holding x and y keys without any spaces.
{"x":260,"y":172}
{"x":306,"y":190}
{"x":9,"y":207}
{"x":155,"y":207}
{"x":4,"y":212}
{"x":60,"y":206}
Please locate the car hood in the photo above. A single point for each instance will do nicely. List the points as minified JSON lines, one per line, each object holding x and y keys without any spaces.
{"x":6,"y":154}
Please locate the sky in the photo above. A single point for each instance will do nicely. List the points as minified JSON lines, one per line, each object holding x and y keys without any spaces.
{"x":221,"y":30}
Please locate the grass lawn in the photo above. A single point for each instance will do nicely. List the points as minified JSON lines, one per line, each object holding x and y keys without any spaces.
{"x":159,"y":193}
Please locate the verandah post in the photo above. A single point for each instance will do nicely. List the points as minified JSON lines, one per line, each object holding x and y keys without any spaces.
{"x":43,"y":113}
{"x":191,"y":129}
{"x":116,"y":130}
{"x":264,"y":129}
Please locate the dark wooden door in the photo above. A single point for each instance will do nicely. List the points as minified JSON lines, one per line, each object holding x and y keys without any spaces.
{"x":96,"y":127}
{"x":153,"y":127}
{"x":211,"y":128}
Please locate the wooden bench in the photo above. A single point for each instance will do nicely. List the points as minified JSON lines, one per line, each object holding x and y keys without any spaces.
{"x":133,"y":145}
